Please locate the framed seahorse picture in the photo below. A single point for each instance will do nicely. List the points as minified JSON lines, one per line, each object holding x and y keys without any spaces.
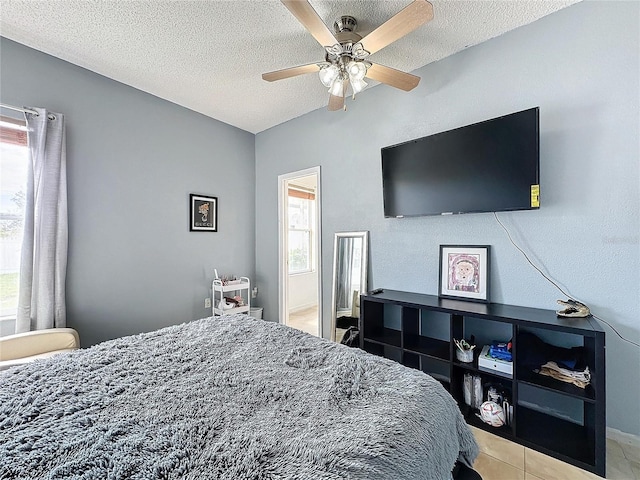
{"x":203,"y":216}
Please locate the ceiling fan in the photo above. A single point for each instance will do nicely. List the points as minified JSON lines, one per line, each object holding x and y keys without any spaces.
{"x":346,"y":54}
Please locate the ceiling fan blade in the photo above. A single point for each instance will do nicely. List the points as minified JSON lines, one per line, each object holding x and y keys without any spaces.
{"x":290,"y":72}
{"x":407,"y":20}
{"x":335,"y":103}
{"x":307,"y":16}
{"x":391,"y":76}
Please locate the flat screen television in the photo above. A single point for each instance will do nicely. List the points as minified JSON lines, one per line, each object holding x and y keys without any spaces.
{"x":491,"y":166}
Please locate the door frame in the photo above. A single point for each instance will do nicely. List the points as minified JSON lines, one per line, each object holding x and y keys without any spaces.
{"x":283,"y":229}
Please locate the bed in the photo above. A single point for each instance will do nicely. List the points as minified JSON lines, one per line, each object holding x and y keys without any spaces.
{"x":227,"y":398}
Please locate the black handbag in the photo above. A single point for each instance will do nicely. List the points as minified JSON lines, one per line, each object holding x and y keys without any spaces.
{"x":351,"y":337}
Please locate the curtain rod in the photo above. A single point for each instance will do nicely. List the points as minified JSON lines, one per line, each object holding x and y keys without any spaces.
{"x":24,"y":110}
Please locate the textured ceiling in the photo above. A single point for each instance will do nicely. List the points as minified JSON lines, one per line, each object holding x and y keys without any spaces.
{"x":208,"y":55}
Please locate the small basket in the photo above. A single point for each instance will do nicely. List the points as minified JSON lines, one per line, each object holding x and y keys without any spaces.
{"x":465,"y":356}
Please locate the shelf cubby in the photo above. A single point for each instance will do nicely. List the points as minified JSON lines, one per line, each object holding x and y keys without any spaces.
{"x":427,"y":333}
{"x":587,"y":394}
{"x":386,"y":336}
{"x":472,"y":419}
{"x":486,"y":331}
{"x":378,"y":328}
{"x":560,"y":438}
{"x":427,"y":346}
{"x":411,"y":360}
{"x":382,"y":350}
{"x":438,"y":369}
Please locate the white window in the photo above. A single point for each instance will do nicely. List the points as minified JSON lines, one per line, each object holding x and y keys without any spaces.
{"x":13,"y":187}
{"x":302,"y":208}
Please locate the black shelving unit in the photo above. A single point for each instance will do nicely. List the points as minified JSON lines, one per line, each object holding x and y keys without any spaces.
{"x":550,"y":416}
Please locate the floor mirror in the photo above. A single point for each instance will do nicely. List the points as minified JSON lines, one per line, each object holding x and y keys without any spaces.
{"x":350,"y":254}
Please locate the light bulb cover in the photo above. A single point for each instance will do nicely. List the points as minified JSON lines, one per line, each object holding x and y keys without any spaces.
{"x":337,"y":88}
{"x":356,"y":70}
{"x":358,"y":85}
{"x":328,"y":75}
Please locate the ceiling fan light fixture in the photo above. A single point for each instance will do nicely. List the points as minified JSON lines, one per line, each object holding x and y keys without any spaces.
{"x":337,"y":88}
{"x":356,"y":70}
{"x":328,"y":75}
{"x":357,"y":85}
{"x":347,"y":52}
{"x":358,"y":51}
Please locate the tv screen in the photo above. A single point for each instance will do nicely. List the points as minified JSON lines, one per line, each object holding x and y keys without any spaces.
{"x":489,"y":166}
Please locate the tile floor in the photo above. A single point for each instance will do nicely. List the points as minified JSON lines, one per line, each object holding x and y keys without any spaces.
{"x":501,"y":459}
{"x":305,"y":320}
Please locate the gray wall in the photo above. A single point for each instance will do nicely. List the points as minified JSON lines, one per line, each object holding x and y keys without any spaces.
{"x":581,"y":67}
{"x":132,"y":161}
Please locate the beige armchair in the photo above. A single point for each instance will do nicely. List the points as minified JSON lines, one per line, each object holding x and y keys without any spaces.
{"x":26,"y":347}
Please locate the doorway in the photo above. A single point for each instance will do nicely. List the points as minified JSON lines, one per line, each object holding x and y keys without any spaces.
{"x":299,"y":259}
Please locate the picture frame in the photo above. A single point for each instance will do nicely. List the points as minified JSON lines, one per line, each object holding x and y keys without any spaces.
{"x":465,"y":272}
{"x":203,"y":213}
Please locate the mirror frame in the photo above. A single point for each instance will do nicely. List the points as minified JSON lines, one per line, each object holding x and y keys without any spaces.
{"x":364,"y":262}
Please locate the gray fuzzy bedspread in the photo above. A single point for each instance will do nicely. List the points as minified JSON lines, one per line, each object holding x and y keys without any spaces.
{"x":231,"y":398}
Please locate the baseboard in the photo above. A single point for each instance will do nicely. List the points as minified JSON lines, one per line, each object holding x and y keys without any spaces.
{"x":622,"y":437}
